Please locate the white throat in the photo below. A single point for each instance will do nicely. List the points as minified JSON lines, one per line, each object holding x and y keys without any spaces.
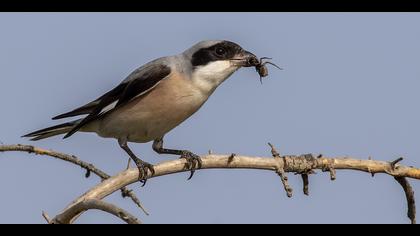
{"x":209,"y":76}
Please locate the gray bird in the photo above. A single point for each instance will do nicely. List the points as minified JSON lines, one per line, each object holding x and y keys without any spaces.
{"x":155,"y":98}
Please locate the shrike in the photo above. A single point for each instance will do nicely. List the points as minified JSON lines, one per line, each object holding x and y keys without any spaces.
{"x":156,"y":98}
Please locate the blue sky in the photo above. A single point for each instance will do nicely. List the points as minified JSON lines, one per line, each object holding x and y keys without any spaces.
{"x":349,"y":87}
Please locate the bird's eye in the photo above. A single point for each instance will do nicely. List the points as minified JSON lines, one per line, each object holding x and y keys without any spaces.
{"x":220,"y":51}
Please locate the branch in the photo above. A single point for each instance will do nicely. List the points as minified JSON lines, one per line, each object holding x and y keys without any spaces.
{"x":90,"y":168}
{"x":94,"y":204}
{"x":409,"y":194}
{"x":288,"y":163}
{"x":303,"y":165}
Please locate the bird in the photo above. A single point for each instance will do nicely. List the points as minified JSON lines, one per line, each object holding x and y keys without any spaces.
{"x":155,"y":98}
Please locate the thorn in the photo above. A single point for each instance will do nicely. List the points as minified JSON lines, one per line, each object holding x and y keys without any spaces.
{"x":230,"y":159}
{"x":274,"y":151}
{"x":394,"y":162}
{"x":305,"y":180}
{"x":128,"y":164}
{"x":332,"y":174}
{"x":332,"y":171}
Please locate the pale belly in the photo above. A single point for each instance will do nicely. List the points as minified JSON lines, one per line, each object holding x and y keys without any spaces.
{"x":154,"y":114}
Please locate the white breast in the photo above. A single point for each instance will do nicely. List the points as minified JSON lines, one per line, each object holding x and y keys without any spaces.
{"x":206,"y":78}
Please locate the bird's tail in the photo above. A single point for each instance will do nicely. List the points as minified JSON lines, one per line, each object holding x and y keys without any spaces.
{"x":52,"y":131}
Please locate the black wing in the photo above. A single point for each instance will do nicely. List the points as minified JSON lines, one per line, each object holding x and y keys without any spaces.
{"x":140,"y":81}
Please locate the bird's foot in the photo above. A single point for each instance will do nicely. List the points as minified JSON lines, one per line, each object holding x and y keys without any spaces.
{"x":193,"y":162}
{"x":144,"y":169}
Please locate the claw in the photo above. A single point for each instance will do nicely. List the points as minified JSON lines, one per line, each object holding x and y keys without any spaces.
{"x":193,"y":162}
{"x":143,"y":168}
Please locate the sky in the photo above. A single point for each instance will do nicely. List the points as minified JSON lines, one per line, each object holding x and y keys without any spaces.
{"x":350,"y":87}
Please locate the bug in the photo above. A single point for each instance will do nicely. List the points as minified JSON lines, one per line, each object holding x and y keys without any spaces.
{"x":261,"y":67}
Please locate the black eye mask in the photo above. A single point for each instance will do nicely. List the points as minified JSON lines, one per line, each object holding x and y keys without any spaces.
{"x":214,"y":53}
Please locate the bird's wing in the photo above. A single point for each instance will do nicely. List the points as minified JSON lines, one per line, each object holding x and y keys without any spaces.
{"x":137,"y":83}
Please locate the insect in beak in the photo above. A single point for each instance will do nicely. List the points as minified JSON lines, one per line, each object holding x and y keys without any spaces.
{"x":261,"y":67}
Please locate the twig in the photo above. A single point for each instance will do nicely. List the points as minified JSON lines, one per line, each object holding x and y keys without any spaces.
{"x":95,"y":204}
{"x":409,"y":194}
{"x":125,"y":192}
{"x":46,"y":217}
{"x":274,"y":152}
{"x":332,"y":173}
{"x":280,"y":171}
{"x":284,"y":180}
{"x":330,"y":168}
{"x":305,"y":180}
{"x":72,"y":159}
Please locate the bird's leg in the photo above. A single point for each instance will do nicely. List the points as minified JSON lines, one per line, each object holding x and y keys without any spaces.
{"x":141,"y":165}
{"x":193,"y":161}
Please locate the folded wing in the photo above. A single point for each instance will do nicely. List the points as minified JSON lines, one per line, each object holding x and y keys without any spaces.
{"x":137,"y":83}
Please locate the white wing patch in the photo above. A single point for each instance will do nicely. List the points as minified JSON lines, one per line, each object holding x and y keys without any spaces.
{"x":108,"y":108}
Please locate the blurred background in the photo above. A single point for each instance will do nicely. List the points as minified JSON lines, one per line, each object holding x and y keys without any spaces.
{"x":350,"y":86}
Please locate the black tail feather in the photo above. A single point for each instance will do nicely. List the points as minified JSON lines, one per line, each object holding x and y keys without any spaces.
{"x":46,"y":130}
{"x":51,"y":131}
{"x":76,"y":112}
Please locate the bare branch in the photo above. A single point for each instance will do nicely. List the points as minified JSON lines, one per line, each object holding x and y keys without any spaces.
{"x":295,"y":164}
{"x":409,"y":194}
{"x":94,"y":204}
{"x":302,"y":164}
{"x":90,"y":168}
{"x":46,"y":217}
{"x":62,"y":156}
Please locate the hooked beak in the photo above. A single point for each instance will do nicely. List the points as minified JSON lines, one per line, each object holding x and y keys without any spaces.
{"x":245,"y":59}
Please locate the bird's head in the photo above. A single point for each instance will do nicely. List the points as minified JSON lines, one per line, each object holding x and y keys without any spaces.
{"x":213,"y":61}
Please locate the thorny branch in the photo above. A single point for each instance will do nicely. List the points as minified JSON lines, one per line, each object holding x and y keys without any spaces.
{"x":280,"y":171}
{"x":302,"y":165}
{"x":90,"y":168}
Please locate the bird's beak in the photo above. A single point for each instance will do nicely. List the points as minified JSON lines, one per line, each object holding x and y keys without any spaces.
{"x":245,"y":59}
